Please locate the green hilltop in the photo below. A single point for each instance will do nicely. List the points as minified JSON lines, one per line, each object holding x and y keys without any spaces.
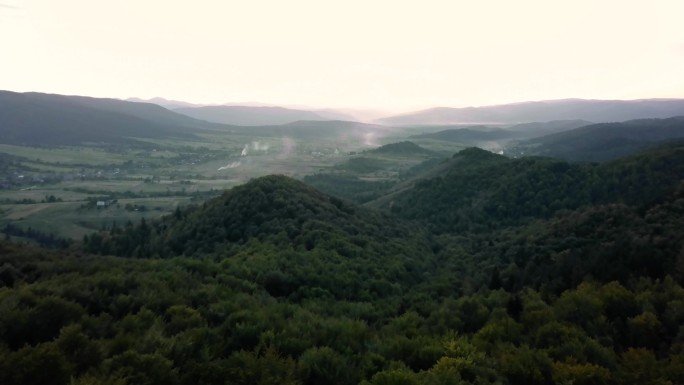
{"x":401,"y":148}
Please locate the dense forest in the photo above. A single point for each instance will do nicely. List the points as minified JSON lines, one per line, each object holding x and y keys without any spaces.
{"x":486,"y":270}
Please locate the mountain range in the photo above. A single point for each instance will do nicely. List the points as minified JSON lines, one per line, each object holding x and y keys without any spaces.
{"x":247,"y":115}
{"x":597,"y":111}
{"x":252,"y":114}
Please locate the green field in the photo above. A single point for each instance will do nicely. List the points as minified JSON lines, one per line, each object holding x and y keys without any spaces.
{"x":67,"y":155}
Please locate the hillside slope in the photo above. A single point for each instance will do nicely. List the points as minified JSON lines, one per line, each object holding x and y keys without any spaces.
{"x":605,"y":141}
{"x":272,"y":209}
{"x":478,"y":190}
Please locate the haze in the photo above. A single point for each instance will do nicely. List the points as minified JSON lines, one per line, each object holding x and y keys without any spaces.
{"x":382,"y":54}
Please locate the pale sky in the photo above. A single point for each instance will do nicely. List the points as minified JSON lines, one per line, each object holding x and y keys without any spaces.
{"x":396,"y":55}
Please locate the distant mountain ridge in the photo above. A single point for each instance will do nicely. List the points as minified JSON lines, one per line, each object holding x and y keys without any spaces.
{"x":47,"y":119}
{"x":468,"y":135}
{"x":248,"y":115}
{"x":38,"y":119}
{"x":598,"y":111}
{"x":350,"y":114}
{"x":166,"y":103}
{"x":344,"y":130}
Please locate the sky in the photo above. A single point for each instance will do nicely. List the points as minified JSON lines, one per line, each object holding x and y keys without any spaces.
{"x":396,"y":55}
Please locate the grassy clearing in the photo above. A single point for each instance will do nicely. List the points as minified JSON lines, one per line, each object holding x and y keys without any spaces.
{"x":66,"y":155}
{"x":41,"y":193}
{"x":47,"y":167}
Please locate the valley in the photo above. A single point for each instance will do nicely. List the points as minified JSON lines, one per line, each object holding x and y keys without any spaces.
{"x":340,"y":252}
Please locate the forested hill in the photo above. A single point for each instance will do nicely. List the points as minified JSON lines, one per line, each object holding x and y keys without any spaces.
{"x":478,"y":190}
{"x":273,"y":212}
{"x":45,"y":119}
{"x":574,"y":277}
{"x":605,"y":141}
{"x":402,"y":149}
